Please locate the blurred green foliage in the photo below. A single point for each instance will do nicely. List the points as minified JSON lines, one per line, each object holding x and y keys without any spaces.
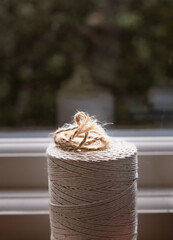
{"x":134,"y":52}
{"x":126,"y":46}
{"x":138,"y":46}
{"x":40,"y":42}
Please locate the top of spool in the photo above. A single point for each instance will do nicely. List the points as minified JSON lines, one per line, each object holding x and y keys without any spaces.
{"x":117,"y":150}
{"x":86,"y":140}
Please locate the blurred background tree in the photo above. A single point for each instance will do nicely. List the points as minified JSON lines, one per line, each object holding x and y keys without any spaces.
{"x":134,"y":51}
{"x":40,"y":43}
{"x":126,"y":46}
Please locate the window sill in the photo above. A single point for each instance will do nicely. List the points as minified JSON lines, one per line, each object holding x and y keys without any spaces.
{"x":36,"y":147}
{"x":25,"y":157}
{"x":36,"y":202}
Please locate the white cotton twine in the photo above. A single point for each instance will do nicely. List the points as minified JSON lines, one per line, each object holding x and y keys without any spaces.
{"x":93,"y":193}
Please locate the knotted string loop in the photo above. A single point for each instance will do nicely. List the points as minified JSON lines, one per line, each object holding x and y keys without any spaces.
{"x":84,"y":134}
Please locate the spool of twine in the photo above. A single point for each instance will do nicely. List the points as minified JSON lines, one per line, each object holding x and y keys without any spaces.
{"x":92,"y":184}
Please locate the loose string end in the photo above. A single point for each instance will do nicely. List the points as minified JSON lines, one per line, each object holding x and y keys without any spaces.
{"x":84,"y":134}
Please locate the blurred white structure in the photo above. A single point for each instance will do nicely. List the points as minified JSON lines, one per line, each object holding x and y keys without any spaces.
{"x":161,"y":98}
{"x":98,"y":103}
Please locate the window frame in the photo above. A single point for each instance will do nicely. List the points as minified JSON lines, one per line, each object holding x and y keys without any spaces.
{"x":34,"y":201}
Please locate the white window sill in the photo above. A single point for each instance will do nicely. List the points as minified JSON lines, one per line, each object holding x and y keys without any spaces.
{"x":24,"y":160}
{"x":35,"y":202}
{"x":36,"y":147}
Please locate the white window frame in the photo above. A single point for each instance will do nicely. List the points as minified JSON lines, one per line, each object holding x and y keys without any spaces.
{"x":35,"y":201}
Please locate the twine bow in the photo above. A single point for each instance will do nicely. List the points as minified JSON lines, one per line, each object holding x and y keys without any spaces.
{"x":84,"y":134}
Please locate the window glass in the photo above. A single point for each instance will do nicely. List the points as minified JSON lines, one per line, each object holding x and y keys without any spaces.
{"x":112,"y":59}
